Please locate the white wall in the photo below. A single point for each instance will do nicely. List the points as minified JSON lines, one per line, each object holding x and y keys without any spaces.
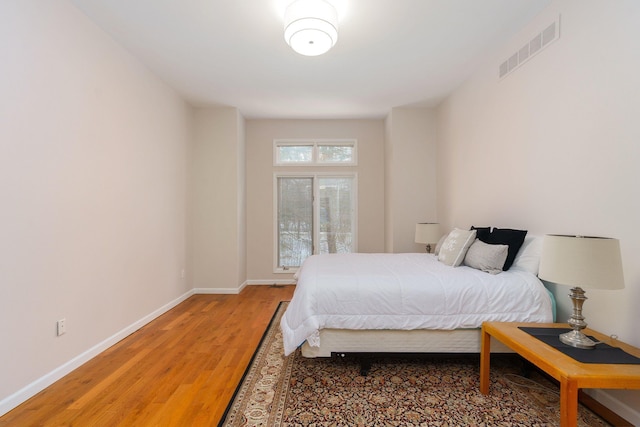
{"x":554,"y":148}
{"x":93,"y":154}
{"x":217,"y":233}
{"x":410,"y":176}
{"x":260,"y":221}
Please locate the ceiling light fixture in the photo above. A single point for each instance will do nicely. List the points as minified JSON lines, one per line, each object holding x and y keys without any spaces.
{"x":311,"y":26}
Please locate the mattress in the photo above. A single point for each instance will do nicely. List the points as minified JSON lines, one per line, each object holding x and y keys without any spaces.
{"x":405,"y":292}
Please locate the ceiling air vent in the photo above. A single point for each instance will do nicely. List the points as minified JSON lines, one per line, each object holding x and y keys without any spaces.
{"x":535,"y":45}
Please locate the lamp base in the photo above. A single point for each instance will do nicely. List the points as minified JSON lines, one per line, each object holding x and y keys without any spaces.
{"x":577,"y":339}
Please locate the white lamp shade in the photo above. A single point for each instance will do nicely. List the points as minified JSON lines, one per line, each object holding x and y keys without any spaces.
{"x":588,"y":262}
{"x":311,"y":26}
{"x":427,"y":232}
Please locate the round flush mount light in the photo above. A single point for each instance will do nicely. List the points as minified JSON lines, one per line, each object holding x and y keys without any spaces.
{"x":311,"y":26}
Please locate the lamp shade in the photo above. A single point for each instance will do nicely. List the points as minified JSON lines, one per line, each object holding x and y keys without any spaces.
{"x":427,"y":232}
{"x":589,"y":262}
{"x":311,"y":26}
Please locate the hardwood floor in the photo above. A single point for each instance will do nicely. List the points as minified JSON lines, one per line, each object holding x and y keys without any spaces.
{"x":179,"y":370}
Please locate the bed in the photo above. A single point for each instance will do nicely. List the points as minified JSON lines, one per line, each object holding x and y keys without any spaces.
{"x":413,"y":302}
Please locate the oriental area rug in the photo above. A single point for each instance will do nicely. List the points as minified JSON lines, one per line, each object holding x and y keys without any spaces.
{"x":397,"y":391}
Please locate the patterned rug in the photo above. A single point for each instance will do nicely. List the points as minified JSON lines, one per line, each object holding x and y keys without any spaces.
{"x":398,"y":391}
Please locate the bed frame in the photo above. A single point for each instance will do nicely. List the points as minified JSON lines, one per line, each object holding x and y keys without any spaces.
{"x":345,"y":341}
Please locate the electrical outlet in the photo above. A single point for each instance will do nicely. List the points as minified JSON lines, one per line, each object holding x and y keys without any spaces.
{"x":62,"y":326}
{"x":182,"y":273}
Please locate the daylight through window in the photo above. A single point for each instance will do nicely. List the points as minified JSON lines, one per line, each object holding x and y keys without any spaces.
{"x":321,"y":152}
{"x":315,"y":214}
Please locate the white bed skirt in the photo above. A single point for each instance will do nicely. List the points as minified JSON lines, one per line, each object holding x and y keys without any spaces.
{"x":399,"y":341}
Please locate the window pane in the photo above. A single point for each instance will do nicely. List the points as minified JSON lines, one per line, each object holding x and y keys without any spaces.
{"x":335,"y":153}
{"x":336,"y":215}
{"x":295,"y":220}
{"x":295,"y":153}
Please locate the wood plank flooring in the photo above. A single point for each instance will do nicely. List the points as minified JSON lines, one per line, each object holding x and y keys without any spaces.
{"x":179,"y":370}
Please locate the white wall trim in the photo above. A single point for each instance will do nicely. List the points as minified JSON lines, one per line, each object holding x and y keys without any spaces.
{"x":271,"y":282}
{"x":235,"y":291}
{"x":221,"y":291}
{"x":22,"y":395}
{"x":217,"y":291}
{"x":628,"y":413}
{"x":46,"y":380}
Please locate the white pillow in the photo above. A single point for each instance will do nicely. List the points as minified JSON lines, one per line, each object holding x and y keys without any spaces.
{"x":486,"y":257}
{"x":455,"y":246}
{"x":528,"y":257}
{"x":439,"y":244}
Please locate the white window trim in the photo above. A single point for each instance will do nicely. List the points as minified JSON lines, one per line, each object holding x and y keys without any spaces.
{"x":316,"y":211}
{"x":314,"y":158}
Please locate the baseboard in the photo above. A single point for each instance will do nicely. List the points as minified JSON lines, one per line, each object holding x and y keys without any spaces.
{"x":221,"y":291}
{"x":271,"y":282}
{"x":628,"y":413}
{"x":22,"y":395}
{"x":45,"y":381}
{"x":233,"y":291}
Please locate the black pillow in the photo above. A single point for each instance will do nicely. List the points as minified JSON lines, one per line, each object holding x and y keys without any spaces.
{"x":482,"y":233}
{"x":510,"y":237}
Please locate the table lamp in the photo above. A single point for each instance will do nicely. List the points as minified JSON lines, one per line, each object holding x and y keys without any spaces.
{"x":592,"y":262}
{"x":427,"y":233}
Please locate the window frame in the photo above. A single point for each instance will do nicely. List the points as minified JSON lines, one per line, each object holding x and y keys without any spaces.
{"x":315,"y":211}
{"x":315,"y":144}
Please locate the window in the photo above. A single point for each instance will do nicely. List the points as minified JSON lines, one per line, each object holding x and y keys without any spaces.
{"x":295,"y":220}
{"x":294,"y":154}
{"x":320,"y":152}
{"x":315,"y":215}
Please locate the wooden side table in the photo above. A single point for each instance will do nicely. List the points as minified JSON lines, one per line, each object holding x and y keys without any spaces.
{"x":571,"y":374}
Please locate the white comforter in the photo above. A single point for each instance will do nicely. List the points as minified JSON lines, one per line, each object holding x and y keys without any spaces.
{"x":405,"y":291}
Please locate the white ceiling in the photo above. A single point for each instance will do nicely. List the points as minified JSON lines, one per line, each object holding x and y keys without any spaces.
{"x":390,"y":53}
